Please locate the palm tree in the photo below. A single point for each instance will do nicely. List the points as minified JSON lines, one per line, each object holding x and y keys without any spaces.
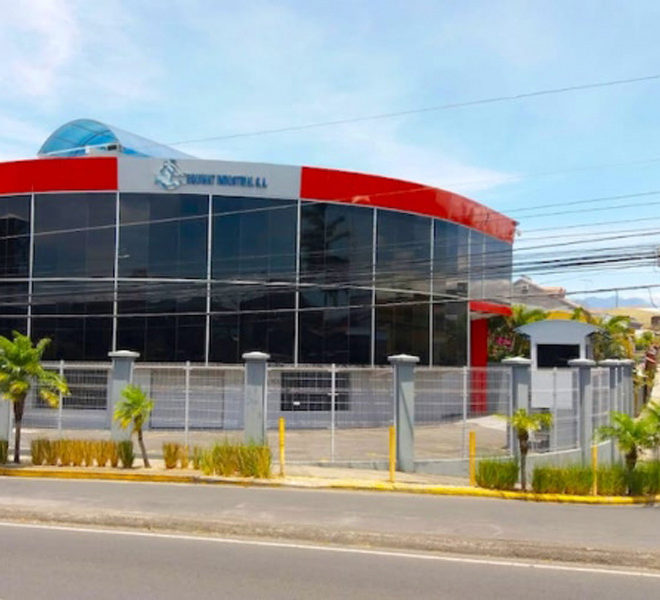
{"x":615,"y":338}
{"x":631,"y":435}
{"x":504,"y":340}
{"x":523,"y":424}
{"x":134,"y":410}
{"x":20,"y":370}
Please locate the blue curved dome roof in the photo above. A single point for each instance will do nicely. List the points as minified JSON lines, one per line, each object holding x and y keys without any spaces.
{"x":76,"y":138}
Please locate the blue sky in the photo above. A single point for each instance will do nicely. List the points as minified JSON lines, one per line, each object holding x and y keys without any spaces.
{"x":183,"y":70}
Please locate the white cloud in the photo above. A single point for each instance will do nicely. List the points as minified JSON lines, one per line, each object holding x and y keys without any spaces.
{"x":38,"y":41}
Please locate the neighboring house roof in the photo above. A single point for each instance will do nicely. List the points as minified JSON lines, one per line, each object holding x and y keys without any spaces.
{"x":84,"y":136}
{"x":528,"y":292}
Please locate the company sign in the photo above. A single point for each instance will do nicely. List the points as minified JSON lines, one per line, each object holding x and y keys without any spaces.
{"x":171,"y":177}
{"x":216,"y":177}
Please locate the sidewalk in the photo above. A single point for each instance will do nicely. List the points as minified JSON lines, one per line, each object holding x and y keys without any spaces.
{"x":313,"y":477}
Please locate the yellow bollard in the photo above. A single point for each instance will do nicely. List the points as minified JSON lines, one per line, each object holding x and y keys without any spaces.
{"x":594,"y":469}
{"x":473,"y":456}
{"x":282,"y":426}
{"x":392,"y":452}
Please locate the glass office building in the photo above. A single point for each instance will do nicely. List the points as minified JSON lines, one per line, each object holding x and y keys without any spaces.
{"x":109,"y":241}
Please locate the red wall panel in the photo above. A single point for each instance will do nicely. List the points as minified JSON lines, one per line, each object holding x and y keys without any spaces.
{"x":58,"y":174}
{"x":383,"y":192}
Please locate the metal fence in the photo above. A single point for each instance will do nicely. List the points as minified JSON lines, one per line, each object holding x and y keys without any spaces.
{"x":334,"y":414}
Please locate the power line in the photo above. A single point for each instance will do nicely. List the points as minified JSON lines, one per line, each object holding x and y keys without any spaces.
{"x":415,"y":111}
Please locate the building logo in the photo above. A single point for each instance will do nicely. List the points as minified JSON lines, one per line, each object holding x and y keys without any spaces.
{"x":170,"y":176}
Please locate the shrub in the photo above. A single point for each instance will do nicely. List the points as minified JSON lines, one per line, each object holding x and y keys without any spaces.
{"x":497,"y":474}
{"x":51,"y":452}
{"x":645,"y":479}
{"x":101,"y":452}
{"x":89,"y":452}
{"x":38,"y":451}
{"x":227,"y":460}
{"x":4,"y":450}
{"x":254,"y":461}
{"x":126,"y":453}
{"x":578,"y":480}
{"x":171,"y":452}
{"x":77,"y":450}
{"x":612,"y":480}
{"x":197,"y":457}
{"x":113,"y":453}
{"x":184,"y":457}
{"x":548,"y":480}
{"x":64,"y":451}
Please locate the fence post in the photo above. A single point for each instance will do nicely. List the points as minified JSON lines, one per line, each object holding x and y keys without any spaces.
{"x":254,"y":398}
{"x":60,"y":404}
{"x":186,"y":407}
{"x":465,"y":393}
{"x":614,"y":392}
{"x":121,"y":374}
{"x":473,"y":459}
{"x":5,"y":419}
{"x":333,"y":414}
{"x":520,"y":391}
{"x":404,"y":410}
{"x":627,"y":386}
{"x":585,"y":405}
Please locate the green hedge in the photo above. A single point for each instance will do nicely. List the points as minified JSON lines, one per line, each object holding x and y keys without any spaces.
{"x":497,"y":474}
{"x":244,"y":460}
{"x":612,"y":480}
{"x":562,"y":480}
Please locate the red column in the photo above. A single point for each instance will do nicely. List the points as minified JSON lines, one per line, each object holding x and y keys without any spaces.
{"x":479,"y":361}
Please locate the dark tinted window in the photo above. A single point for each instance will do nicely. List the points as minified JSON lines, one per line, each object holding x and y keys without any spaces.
{"x":450,"y":259}
{"x":336,"y":244}
{"x":14,"y":236}
{"x":234,"y":334}
{"x":163,"y":338}
{"x":402,"y":326}
{"x":253,"y":239}
{"x":13,"y":298}
{"x":72,"y":298}
{"x":312,"y":391}
{"x":74,"y":235}
{"x":449,"y":333}
{"x":339,"y":333}
{"x":163,"y":235}
{"x":74,"y":338}
{"x":403,"y":253}
{"x":161,"y":298}
{"x":497,"y":274}
{"x":556,"y":355}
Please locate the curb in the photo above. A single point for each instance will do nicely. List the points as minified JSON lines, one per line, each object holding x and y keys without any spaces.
{"x":313,"y":483}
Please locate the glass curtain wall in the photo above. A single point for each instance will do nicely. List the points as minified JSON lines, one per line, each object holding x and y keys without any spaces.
{"x":355,"y":304}
{"x":253,"y":271}
{"x":163,"y":239}
{"x":74,"y":248}
{"x":403,"y":273}
{"x":14,"y":262}
{"x":335,"y":283}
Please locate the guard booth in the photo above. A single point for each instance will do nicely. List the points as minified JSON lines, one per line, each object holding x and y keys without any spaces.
{"x":553,"y":342}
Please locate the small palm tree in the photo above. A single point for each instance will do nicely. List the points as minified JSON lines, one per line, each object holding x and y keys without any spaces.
{"x":631,"y":435}
{"x":20,"y":370}
{"x":523,"y":424}
{"x":134,"y":410}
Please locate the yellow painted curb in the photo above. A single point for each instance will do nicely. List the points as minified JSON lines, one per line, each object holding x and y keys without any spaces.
{"x":318,"y":483}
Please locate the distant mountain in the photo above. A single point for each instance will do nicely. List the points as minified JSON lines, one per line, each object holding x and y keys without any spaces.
{"x":611,"y":302}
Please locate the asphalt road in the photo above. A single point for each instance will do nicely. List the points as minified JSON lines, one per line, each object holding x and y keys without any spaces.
{"x":60,"y":563}
{"x":615,"y":527}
